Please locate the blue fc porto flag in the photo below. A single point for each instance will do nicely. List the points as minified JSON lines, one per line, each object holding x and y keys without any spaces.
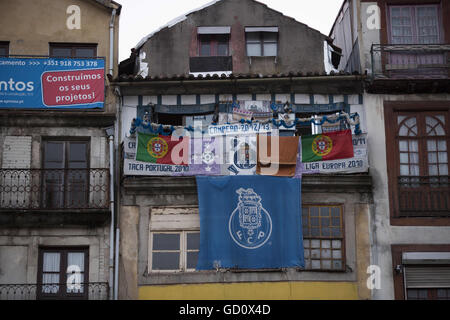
{"x":250,"y":222}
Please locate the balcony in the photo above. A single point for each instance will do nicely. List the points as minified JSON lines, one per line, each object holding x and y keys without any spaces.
{"x":404,"y":61}
{"x":424,"y":196}
{"x":94,"y":291}
{"x":81,"y":194}
{"x":210,"y":64}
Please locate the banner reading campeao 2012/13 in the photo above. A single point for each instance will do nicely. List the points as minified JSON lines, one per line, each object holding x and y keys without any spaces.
{"x":52,"y":83}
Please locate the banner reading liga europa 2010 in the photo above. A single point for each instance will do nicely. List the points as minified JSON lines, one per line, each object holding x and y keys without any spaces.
{"x":51,"y":83}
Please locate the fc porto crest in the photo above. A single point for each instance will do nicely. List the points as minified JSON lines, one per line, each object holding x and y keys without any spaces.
{"x":157,"y":147}
{"x":322,"y":145}
{"x":250,"y":225}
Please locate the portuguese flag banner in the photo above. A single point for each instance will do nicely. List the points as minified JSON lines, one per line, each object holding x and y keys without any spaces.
{"x":327,"y":146}
{"x":161,"y":149}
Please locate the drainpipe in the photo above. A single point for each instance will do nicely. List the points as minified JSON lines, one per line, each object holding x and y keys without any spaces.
{"x":111,"y":42}
{"x":112,"y":283}
{"x":111,"y":204}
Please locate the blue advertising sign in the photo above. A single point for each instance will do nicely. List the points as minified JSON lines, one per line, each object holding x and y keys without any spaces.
{"x":52,"y":83}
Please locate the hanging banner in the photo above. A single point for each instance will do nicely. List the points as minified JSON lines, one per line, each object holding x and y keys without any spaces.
{"x":250,"y":222}
{"x":239,"y":128}
{"x":49,"y":83}
{"x":357,"y":164}
{"x":205,"y":156}
{"x":242,"y":155}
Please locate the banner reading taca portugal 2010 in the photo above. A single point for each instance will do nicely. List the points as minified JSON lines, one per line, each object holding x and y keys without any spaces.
{"x":52,"y":83}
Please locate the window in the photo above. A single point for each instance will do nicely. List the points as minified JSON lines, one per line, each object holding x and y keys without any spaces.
{"x":174,"y":251}
{"x":419,"y":25}
{"x":213,"y":45}
{"x":65,"y":174}
{"x":415,"y":24}
{"x":4,"y":49}
{"x":262,"y":42}
{"x":323,"y":237}
{"x":63,"y":273}
{"x":422,"y":272}
{"x":418,"y":154}
{"x":64,"y":50}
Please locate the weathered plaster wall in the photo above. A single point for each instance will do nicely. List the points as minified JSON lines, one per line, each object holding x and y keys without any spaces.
{"x":383,"y":234}
{"x":300,"y":48}
{"x":30,"y":239}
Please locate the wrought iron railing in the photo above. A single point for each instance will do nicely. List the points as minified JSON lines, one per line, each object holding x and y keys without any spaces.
{"x":50,"y":189}
{"x":424,"y":196}
{"x":410,"y":61}
{"x":33,"y":291}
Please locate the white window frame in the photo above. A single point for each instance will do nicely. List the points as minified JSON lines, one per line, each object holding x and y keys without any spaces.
{"x":182,"y":251}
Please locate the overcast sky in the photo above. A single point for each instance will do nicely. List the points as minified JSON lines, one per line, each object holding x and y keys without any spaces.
{"x":141,"y":17}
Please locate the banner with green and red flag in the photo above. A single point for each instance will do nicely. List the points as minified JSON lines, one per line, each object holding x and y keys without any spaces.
{"x":161,"y":149}
{"x":327,"y":146}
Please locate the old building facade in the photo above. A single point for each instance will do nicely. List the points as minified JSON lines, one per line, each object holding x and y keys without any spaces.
{"x":404,"y":48}
{"x":197,"y":68}
{"x":55,"y":177}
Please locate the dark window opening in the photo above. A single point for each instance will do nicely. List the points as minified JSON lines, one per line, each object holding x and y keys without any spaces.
{"x":66,"y":174}
{"x":63,"y":50}
{"x":4,"y":49}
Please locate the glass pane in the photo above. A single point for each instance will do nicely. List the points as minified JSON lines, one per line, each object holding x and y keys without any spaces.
{"x":253,"y":37}
{"x":54,"y":155}
{"x":166,"y":241}
{"x":222,"y":49}
{"x":270,"y":36}
{"x":77,"y":151}
{"x":3,"y":52}
{"x":315,"y":254}
{"x":326,"y":253}
{"x":193,"y":241}
{"x":404,"y":158}
{"x":270,"y":49}
{"x":84,"y":52}
{"x":61,"y":52}
{"x":337,"y":254}
{"x":336,"y":222}
{"x":414,"y":157}
{"x":315,"y":243}
{"x":51,"y":262}
{"x":403,"y":145}
{"x":326,"y":244}
{"x":404,"y":170}
{"x":53,"y":279}
{"x":306,"y":243}
{"x":165,"y":261}
{"x":314,"y":211}
{"x":314,"y":221}
{"x":325,"y":222}
{"x":326,"y":264}
{"x":337,"y":265}
{"x":192,"y":258}
{"x":253,"y":50}
{"x":315,"y":264}
{"x":443,"y":169}
{"x":442,"y":145}
{"x":326,"y":232}
{"x":76,"y":259}
{"x":205,"y":49}
{"x":413,"y":146}
{"x":324,"y":211}
{"x":431,"y":145}
{"x":432,"y":170}
{"x":432,"y":157}
{"x":336,"y":244}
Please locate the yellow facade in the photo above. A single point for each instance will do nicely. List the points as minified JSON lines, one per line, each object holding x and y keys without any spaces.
{"x":253,"y":291}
